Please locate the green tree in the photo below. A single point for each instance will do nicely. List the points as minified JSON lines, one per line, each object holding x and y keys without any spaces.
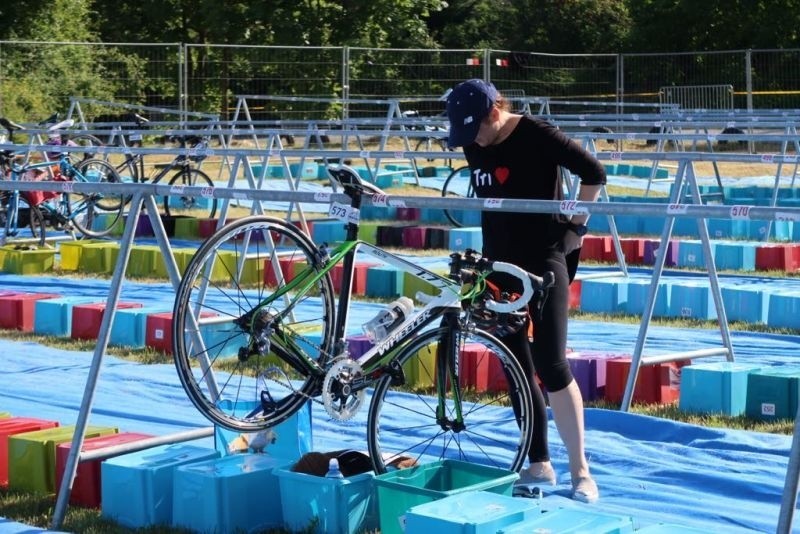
{"x":687,"y":25}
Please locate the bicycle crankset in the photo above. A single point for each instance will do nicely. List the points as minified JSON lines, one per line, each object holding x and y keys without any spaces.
{"x":338,"y":397}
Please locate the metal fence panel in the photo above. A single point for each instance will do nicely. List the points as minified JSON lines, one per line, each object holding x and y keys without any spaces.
{"x":39,"y":78}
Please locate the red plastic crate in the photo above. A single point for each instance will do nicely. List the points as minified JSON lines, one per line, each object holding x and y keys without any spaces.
{"x":780,"y":257}
{"x":86,"y":486}
{"x":86,"y":318}
{"x":475,"y":366}
{"x":12,"y":426}
{"x":575,"y":295}
{"x":633,"y":248}
{"x":656,"y":384}
{"x":597,"y":248}
{"x":17,"y":309}
{"x":158,"y":330}
{"x":407,"y":214}
{"x":414,"y":237}
{"x":359,"y":277}
{"x":287,"y":266}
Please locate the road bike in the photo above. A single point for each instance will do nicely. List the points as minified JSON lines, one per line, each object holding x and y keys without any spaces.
{"x":259,"y":330}
{"x":67,"y":210}
{"x":180,"y":172}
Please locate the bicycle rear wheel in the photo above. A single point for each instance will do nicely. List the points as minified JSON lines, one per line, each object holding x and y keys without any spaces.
{"x":459,"y":185}
{"x":236,"y":341}
{"x":201,"y":207}
{"x":100,"y":171}
{"x":403,"y":419}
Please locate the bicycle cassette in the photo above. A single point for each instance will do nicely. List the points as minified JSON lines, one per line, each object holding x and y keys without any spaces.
{"x":339,"y":400}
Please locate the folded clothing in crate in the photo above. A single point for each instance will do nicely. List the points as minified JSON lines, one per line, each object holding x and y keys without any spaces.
{"x":351,"y":462}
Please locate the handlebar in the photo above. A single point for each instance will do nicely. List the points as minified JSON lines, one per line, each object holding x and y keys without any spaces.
{"x":466,"y":267}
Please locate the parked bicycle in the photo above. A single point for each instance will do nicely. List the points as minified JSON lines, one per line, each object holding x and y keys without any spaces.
{"x":433,"y":143}
{"x":258,"y":331}
{"x":68,"y":210}
{"x":180,"y":172}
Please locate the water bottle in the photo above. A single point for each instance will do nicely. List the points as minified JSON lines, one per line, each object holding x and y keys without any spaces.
{"x":388,"y":319}
{"x":333,"y":469}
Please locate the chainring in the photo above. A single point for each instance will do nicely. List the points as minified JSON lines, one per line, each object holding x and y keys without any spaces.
{"x":340,"y":402}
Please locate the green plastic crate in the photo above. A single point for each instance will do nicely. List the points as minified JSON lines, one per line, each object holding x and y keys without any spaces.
{"x":400,"y":490}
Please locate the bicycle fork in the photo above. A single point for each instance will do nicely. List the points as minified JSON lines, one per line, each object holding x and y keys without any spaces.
{"x":448,"y":355}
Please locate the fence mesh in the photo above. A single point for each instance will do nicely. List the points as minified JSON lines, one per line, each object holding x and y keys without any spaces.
{"x":39,"y":78}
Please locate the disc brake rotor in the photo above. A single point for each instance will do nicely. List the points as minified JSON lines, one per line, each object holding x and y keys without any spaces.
{"x":340,"y":402}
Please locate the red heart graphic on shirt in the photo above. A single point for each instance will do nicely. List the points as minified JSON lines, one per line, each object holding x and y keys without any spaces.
{"x":502,"y":174}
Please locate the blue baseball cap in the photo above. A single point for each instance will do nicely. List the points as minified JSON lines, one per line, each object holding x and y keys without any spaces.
{"x":467,"y":105}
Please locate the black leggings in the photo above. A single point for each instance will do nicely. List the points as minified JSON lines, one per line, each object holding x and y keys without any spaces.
{"x":546,"y":356}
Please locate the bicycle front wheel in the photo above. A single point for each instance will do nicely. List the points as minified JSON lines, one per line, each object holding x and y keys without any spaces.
{"x":457,"y":185}
{"x":201,"y":207}
{"x":487,"y":420}
{"x":253,"y":313}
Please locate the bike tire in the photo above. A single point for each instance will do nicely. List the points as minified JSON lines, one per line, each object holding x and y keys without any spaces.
{"x":100,"y":171}
{"x":86,"y":140}
{"x":456,"y":183}
{"x":494,"y":434}
{"x":219,"y":287}
{"x":37,"y":225}
{"x":200,"y":207}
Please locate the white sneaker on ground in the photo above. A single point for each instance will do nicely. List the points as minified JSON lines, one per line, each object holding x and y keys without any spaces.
{"x":543,"y":475}
{"x":584,"y":489}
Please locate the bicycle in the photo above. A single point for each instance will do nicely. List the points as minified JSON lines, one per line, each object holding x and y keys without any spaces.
{"x":257,"y":333}
{"x":68,"y":210}
{"x":457,"y":184}
{"x":133,"y":169}
{"x":434,"y":143}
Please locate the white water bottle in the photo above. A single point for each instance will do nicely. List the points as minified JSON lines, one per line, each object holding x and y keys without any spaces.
{"x":388,"y":319}
{"x":333,"y":469}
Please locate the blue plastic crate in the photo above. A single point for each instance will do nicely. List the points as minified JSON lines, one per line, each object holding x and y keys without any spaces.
{"x":638,"y":292}
{"x":137,"y":487}
{"x":233,"y":494}
{"x":783,"y":310}
{"x":130,"y":325}
{"x":573,"y":521}
{"x":691,"y":301}
{"x":747,"y":304}
{"x":735,"y":256}
{"x":603,"y":296}
{"x":328,"y":231}
{"x":474,"y":512}
{"x":53,"y":317}
{"x":384,"y":281}
{"x":289,"y":440}
{"x":715,"y":387}
{"x":464,"y":238}
{"x":338,"y":505}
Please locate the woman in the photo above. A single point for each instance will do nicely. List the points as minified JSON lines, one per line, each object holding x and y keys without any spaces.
{"x":515,"y":156}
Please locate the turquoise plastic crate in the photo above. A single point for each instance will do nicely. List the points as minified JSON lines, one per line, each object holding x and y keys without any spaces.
{"x":772,"y":393}
{"x":289,"y":440}
{"x":228,"y":494}
{"x":475,"y":512}
{"x":573,"y":521}
{"x":333,"y":505}
{"x":137,"y":487}
{"x":718,"y":387}
{"x":398,"y":491}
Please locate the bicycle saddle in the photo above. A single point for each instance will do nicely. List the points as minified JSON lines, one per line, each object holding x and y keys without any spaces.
{"x":348,"y":178}
{"x":9,"y":125}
